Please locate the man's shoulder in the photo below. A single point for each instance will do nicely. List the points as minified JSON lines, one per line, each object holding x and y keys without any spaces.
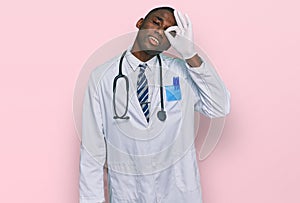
{"x":105,"y":68}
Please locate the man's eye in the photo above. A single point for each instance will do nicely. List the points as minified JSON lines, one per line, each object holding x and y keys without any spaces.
{"x":155,"y":22}
{"x":173,"y":33}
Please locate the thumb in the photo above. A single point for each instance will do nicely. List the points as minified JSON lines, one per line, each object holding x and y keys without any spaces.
{"x":171,"y":33}
{"x":173,"y":29}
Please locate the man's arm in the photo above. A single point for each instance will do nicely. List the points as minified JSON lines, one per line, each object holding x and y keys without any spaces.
{"x":93,"y":148}
{"x":213,"y":98}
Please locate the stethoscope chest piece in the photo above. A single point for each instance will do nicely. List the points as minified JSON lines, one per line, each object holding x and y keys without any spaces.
{"x":162,"y":116}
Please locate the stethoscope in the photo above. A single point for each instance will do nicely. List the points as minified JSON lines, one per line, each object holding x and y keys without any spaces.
{"x":160,"y":114}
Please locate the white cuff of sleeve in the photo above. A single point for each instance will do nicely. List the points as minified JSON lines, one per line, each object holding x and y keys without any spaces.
{"x":200,"y":69}
{"x":91,"y":200}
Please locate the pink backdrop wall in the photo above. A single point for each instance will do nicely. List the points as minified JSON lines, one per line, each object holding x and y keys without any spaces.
{"x":254,"y":45}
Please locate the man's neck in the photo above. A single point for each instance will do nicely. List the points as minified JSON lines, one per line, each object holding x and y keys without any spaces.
{"x":141,"y":54}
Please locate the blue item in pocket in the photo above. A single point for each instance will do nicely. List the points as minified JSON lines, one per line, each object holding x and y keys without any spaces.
{"x":173,"y":92}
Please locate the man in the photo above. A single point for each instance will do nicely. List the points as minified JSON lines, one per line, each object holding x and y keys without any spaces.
{"x":150,"y":157}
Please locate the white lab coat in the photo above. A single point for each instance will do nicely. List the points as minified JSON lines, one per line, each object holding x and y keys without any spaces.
{"x":147,"y":163}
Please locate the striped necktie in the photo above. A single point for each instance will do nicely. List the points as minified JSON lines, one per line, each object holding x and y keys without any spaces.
{"x":142,"y":91}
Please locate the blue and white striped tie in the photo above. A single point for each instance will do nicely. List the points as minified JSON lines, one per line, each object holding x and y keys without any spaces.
{"x":142,"y":90}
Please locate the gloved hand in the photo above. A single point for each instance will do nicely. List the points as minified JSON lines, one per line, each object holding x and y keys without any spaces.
{"x":182,"y":42}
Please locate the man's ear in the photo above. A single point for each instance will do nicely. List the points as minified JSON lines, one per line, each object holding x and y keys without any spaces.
{"x":139,"y":23}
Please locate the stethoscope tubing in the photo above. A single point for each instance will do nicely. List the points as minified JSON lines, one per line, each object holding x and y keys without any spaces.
{"x":161,"y":114}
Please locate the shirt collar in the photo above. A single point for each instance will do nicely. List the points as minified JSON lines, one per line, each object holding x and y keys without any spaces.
{"x":135,"y":62}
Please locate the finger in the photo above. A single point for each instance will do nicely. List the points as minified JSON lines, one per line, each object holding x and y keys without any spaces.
{"x":182,"y":20}
{"x":188,"y":20}
{"x":169,"y":30}
{"x":170,"y":37}
{"x":177,"y":18}
{"x":172,"y":28}
{"x":189,"y":23}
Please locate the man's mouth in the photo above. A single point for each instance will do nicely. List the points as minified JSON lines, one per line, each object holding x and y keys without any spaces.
{"x":153,"y":41}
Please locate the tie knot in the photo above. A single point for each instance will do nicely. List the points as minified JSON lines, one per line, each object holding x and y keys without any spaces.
{"x":143,"y":66}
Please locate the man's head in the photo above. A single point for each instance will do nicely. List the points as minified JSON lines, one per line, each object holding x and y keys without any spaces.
{"x":151,"y":38}
{"x":171,"y":10}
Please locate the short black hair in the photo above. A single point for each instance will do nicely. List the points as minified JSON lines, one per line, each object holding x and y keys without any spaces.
{"x":160,"y":8}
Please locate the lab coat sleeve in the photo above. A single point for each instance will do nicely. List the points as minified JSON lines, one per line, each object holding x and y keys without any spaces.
{"x":93,"y":148}
{"x":212,"y":96}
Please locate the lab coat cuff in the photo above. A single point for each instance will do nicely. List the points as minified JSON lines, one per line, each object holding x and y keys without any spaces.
{"x":200,"y":70}
{"x":91,"y":200}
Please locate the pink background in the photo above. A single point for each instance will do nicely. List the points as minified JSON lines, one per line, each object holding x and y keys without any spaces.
{"x":254,"y":45}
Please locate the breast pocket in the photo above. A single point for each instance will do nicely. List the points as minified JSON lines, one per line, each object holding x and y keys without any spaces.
{"x":172,"y":100}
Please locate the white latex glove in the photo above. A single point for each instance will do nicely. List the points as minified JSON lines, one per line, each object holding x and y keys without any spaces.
{"x":183,"y":40}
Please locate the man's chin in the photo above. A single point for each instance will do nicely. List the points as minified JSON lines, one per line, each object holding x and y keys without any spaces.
{"x":153,"y":52}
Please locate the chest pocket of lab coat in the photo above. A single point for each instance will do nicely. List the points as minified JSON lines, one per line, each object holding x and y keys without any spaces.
{"x":174,"y":94}
{"x":174,"y":107}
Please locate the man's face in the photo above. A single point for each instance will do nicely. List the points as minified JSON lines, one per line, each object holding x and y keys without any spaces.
{"x":151,"y":37}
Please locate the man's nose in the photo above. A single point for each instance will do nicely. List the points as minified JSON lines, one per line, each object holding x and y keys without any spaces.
{"x":160,"y":32}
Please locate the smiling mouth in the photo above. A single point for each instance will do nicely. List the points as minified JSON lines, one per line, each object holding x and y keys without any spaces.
{"x":153,"y":41}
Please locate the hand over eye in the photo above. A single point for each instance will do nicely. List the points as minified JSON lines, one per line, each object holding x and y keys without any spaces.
{"x":181,"y":36}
